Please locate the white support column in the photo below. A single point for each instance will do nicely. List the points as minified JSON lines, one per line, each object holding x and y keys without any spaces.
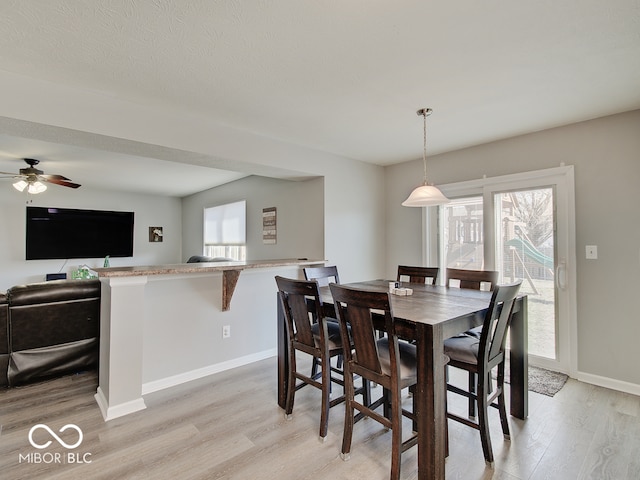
{"x":121,"y":341}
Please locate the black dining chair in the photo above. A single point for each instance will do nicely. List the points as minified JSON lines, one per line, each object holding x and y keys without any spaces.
{"x":475,"y":280}
{"x":481,"y":356}
{"x":308,"y":331}
{"x":428,"y":275}
{"x":323,"y":275}
{"x":385,"y":361}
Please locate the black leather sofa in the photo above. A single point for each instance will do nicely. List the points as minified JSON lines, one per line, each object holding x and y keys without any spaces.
{"x":51,"y":328}
{"x":204,"y":259}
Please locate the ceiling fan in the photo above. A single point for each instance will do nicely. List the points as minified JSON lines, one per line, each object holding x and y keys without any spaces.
{"x":32,"y":178}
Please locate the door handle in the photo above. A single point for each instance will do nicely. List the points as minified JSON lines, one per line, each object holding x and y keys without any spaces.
{"x":561,"y":275}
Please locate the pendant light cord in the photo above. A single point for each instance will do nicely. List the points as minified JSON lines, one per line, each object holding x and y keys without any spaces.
{"x":424,"y":151}
{"x":424,"y":112}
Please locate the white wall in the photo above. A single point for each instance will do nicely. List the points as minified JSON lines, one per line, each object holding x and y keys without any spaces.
{"x":300,"y":214}
{"x":183,"y":343}
{"x":606,"y":156}
{"x":149,"y":211}
{"x":355,"y":220}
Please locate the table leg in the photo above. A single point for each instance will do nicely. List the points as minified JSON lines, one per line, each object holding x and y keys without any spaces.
{"x":519,"y":360}
{"x":430,"y":402}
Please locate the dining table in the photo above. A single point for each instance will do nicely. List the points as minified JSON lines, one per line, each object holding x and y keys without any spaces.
{"x":430,"y":315}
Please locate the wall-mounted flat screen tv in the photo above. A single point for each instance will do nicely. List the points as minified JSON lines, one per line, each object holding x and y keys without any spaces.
{"x":61,"y":233}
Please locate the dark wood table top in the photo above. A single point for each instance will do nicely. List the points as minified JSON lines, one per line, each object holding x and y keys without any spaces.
{"x":430,"y":304}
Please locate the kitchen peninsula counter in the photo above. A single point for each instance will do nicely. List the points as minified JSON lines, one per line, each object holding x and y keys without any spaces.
{"x":160,"y":325}
{"x":230,"y":271}
{"x":178,"y":268}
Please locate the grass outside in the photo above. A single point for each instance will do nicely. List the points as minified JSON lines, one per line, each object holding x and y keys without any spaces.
{"x":542,"y":317}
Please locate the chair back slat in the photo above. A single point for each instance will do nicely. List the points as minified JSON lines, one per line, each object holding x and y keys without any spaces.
{"x":300,"y":303}
{"x":364,"y":338}
{"x":323,"y":275}
{"x":472,"y":279}
{"x":357,"y":309}
{"x":428,"y":275}
{"x":494,"y":329}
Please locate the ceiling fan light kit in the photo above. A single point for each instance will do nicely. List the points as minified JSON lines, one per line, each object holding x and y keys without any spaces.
{"x":20,"y":185}
{"x":32,"y":187}
{"x":32,"y":179}
{"x":426,"y":195}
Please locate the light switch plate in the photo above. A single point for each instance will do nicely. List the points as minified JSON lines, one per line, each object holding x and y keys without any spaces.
{"x":592,"y":252}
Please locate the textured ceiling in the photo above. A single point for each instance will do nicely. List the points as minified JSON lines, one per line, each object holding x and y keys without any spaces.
{"x":342,"y":76}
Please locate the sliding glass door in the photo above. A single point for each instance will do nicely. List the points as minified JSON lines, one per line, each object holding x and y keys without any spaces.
{"x":525,"y":240}
{"x":523,"y":227}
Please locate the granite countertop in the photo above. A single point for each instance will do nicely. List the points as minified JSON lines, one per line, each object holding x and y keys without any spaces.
{"x":180,"y":268}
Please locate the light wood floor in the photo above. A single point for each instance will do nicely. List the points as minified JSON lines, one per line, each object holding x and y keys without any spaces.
{"x":229,"y":426}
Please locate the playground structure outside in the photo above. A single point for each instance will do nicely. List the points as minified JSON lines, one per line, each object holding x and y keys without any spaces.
{"x":520,"y":254}
{"x":535,"y":268}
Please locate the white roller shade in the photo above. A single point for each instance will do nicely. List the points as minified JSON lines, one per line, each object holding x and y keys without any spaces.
{"x":225,"y":224}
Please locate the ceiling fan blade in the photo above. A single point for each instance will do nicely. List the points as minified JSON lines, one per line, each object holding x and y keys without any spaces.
{"x":57,"y":181}
{"x":55,"y":177}
{"x":32,"y":174}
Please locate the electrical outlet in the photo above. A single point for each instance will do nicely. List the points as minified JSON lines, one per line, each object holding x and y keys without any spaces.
{"x":226,"y":331}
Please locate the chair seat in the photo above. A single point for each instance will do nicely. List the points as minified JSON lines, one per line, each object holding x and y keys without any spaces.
{"x":475,"y":332}
{"x":408,"y":360}
{"x":462,"y":348}
{"x":333,"y":329}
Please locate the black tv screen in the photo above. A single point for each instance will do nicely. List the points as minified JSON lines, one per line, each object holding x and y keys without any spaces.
{"x":61,"y":233}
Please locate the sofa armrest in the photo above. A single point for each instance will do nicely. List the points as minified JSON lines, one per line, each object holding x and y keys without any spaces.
{"x":54,"y":327}
{"x":53,"y":291}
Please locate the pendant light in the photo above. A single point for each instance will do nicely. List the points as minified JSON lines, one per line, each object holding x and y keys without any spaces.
{"x":425,"y":195}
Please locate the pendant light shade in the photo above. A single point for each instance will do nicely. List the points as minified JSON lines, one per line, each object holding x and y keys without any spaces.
{"x":426,"y":195}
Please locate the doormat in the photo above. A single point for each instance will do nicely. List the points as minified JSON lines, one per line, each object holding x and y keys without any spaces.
{"x":541,"y":380}
{"x":546,"y":382}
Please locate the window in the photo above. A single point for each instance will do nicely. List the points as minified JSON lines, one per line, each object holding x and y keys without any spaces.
{"x":463,"y":235}
{"x":225,"y":231}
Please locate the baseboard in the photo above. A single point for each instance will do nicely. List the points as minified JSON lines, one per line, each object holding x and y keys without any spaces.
{"x":174,"y":380}
{"x":610,"y":383}
{"x":109,"y":413}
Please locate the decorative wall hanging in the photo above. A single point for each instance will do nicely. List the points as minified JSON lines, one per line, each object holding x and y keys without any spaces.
{"x":269,"y":226}
{"x":155,"y":234}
